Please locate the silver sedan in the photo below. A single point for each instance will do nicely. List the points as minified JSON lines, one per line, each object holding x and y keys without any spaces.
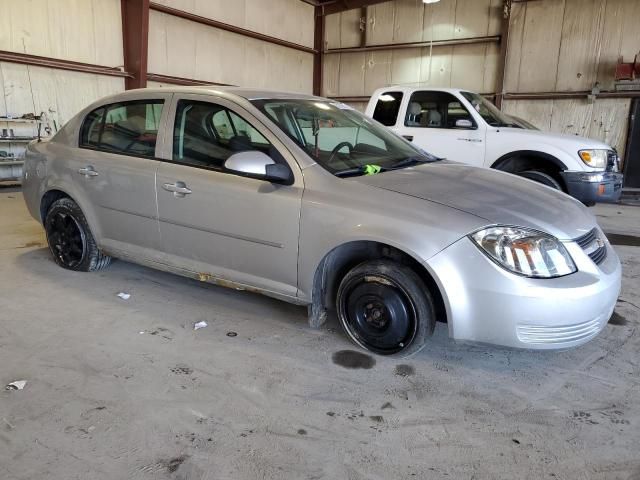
{"x":304,"y":199}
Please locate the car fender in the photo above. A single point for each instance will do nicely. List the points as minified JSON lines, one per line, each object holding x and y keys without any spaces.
{"x":69,"y":188}
{"x":312,"y":259}
{"x":550,"y":154}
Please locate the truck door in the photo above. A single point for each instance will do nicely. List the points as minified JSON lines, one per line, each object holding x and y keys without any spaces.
{"x":440,"y":123}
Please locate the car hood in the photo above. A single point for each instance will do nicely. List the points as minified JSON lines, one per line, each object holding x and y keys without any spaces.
{"x":498,"y":197}
{"x":571,"y":143}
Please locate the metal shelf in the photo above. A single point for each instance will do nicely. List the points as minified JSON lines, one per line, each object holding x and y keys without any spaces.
{"x":19,"y":120}
{"x":17,"y":139}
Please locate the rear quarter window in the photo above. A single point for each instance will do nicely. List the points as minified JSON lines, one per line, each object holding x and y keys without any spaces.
{"x":387,"y":108}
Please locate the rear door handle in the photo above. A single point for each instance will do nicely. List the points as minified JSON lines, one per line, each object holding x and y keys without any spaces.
{"x":408,"y":137}
{"x":88,"y":171}
{"x":179,"y":189}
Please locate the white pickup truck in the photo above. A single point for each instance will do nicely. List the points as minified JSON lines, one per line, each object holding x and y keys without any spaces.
{"x":465,"y":127}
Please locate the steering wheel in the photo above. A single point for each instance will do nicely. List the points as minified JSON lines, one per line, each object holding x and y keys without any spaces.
{"x":337,"y":148}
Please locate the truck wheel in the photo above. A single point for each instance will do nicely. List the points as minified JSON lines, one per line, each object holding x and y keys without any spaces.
{"x":70,"y":239}
{"x":386,"y":308}
{"x":541,"y":177}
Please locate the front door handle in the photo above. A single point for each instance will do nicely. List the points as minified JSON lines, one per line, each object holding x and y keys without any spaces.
{"x":88,"y":171}
{"x":179,"y":189}
{"x":474,"y":140}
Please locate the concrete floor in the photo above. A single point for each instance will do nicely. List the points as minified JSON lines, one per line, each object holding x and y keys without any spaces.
{"x":105,"y":401}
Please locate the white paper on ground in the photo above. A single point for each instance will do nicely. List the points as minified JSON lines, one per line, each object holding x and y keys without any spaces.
{"x":199,"y":325}
{"x":124,"y":296}
{"x":17,"y":385}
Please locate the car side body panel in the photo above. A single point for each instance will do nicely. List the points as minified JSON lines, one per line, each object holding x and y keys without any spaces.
{"x":336,"y":212}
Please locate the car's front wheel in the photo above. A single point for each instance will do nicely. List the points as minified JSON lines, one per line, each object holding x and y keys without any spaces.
{"x":70,"y":239}
{"x":386,"y":308}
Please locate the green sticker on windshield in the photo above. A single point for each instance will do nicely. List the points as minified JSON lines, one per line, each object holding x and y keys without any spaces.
{"x":371,"y":169}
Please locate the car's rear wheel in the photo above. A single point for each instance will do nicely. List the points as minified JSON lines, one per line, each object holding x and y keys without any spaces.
{"x":386,"y":308}
{"x":541,"y":177}
{"x":70,"y":239}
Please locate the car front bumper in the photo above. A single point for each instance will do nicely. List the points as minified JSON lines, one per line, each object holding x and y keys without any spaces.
{"x":488,"y":304}
{"x":593,"y":187}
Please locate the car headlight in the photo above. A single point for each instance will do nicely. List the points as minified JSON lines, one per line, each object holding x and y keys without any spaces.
{"x":594,"y":158}
{"x":525,"y":252}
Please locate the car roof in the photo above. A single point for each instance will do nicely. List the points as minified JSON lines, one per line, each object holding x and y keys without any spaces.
{"x":225,"y":91}
{"x":411,"y":89}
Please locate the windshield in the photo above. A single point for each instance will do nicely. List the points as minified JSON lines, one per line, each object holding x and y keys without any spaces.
{"x":341,"y":139}
{"x":489,"y":111}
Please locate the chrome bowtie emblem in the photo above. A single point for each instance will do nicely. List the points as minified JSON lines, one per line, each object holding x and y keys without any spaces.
{"x":599,"y":242}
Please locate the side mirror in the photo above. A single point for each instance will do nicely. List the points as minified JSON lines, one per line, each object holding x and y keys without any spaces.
{"x":256,"y":164}
{"x":464,"y":123}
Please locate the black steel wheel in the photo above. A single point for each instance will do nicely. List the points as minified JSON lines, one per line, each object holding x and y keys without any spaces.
{"x":70,"y":240}
{"x":385,"y":308}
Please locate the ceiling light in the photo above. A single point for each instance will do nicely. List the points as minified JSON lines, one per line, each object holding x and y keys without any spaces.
{"x":430,"y":1}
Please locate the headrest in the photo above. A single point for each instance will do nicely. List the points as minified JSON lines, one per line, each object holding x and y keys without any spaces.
{"x":415,"y":108}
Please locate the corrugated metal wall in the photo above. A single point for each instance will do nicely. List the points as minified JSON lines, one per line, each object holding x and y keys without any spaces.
{"x":77,"y":30}
{"x":402,"y":21}
{"x":568,"y":45}
{"x":555,"y":45}
{"x":186,"y":49}
{"x":90,"y":31}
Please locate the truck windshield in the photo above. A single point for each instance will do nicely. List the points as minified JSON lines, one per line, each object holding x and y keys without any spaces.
{"x":490,"y":112}
{"x":339,"y":138}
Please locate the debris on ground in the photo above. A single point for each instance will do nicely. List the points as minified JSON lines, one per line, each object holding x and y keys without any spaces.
{"x":232,"y":334}
{"x":124,"y":296}
{"x":199,"y":325}
{"x":17,"y":385}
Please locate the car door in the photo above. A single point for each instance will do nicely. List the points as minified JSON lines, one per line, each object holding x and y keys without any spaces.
{"x":218,"y":224}
{"x":440,"y":123}
{"x":116,"y":169}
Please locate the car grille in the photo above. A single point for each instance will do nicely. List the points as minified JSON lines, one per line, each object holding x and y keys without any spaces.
{"x":550,"y":335}
{"x":593,"y":246}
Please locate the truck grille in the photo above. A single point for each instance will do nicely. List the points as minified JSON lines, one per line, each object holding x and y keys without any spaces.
{"x":593,"y":246}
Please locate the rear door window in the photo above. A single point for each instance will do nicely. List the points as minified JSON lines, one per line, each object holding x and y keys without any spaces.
{"x":387,"y":108}
{"x":129,"y":128}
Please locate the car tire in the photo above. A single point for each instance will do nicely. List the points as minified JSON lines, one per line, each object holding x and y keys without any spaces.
{"x":386,"y":308}
{"x":70,"y":239}
{"x":541,"y":177}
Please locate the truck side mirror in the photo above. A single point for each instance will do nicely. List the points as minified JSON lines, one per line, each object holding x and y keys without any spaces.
{"x":464,"y":123}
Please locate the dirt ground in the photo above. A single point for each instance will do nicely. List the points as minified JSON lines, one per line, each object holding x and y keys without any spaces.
{"x":126,"y":389}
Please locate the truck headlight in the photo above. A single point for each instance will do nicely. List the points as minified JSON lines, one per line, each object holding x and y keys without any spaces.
{"x":525,"y":252}
{"x":594,"y":158}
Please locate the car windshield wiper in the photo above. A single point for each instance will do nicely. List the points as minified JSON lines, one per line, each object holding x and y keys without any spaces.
{"x":350,"y":172}
{"x":407,"y":162}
